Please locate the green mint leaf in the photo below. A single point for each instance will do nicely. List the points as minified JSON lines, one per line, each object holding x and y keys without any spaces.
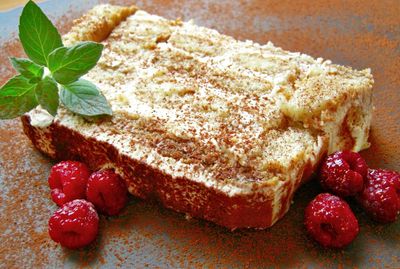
{"x":69,"y":64}
{"x":27,"y":68}
{"x":35,"y":80}
{"x":82,"y":97}
{"x":17,"y":96}
{"x":38,"y":35}
{"x":47,"y":95}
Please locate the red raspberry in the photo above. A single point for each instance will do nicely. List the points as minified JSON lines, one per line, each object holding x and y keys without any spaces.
{"x":343,"y":173}
{"x":67,"y":181}
{"x":74,"y":225}
{"x":107,"y":191}
{"x":381,"y":195}
{"x":330,"y":221}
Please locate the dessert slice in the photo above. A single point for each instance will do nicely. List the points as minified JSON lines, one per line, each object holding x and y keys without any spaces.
{"x":207,"y":125}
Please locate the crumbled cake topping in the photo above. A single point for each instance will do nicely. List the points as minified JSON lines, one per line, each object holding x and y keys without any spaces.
{"x":190,"y":101}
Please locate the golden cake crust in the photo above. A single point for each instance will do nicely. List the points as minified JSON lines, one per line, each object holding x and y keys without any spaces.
{"x":97,"y":24}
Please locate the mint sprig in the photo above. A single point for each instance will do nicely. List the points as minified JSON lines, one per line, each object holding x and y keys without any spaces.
{"x":61,"y":82}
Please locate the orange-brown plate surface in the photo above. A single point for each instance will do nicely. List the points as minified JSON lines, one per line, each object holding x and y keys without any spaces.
{"x":357,"y":33}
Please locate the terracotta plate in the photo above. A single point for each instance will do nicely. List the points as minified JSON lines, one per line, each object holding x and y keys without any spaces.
{"x":356,"y":33}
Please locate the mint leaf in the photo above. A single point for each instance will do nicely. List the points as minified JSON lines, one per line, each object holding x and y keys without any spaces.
{"x":27,"y":68}
{"x":17,"y":96}
{"x":42,"y":43}
{"x":38,"y":35}
{"x":34,"y":80}
{"x":69,"y":64}
{"x":83,"y":97}
{"x":46,"y":92}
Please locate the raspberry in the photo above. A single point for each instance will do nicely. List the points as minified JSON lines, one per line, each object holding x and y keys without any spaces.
{"x":343,"y":173}
{"x":67,"y":181}
{"x":74,"y":225}
{"x":107,"y":191}
{"x":381,"y":195}
{"x":330,"y":221}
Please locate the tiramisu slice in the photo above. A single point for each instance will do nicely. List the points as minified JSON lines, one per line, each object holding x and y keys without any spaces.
{"x":216,"y":128}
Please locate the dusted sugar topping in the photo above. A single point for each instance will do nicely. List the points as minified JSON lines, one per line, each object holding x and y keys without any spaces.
{"x":192,"y":102}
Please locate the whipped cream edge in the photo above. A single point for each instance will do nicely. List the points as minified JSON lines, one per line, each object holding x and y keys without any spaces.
{"x":40,"y":118}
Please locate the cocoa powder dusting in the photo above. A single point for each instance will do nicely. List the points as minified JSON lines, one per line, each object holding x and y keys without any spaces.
{"x":361,"y":34}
